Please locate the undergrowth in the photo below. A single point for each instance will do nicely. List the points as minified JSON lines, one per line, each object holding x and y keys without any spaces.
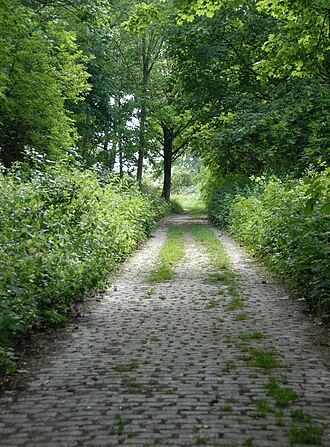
{"x":285,"y":222}
{"x":62,"y":231}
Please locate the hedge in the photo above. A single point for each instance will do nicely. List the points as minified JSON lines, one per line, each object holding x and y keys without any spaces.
{"x":62,"y":231}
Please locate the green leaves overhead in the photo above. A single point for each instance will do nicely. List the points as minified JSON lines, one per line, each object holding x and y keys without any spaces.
{"x":267,"y":94}
{"x":301,"y":46}
{"x":98,"y":74}
{"x":145,"y":15}
{"x":42,"y":67}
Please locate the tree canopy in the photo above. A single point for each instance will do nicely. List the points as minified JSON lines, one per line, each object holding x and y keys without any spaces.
{"x":245,"y":84}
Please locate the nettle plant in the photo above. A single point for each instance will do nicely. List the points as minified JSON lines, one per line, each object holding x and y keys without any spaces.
{"x":61,"y":234}
{"x":286,"y":222}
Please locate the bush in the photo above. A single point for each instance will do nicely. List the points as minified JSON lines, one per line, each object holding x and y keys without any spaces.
{"x":61,"y":234}
{"x":287,"y":224}
{"x":220,"y":193}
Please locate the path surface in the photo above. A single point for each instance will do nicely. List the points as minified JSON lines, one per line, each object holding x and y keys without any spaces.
{"x":161,"y":364}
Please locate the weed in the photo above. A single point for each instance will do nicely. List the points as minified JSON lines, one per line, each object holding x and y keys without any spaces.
{"x":201,"y":441}
{"x":298,"y":415}
{"x":243,"y":389}
{"x":161,"y":273}
{"x":227,"y":408}
{"x":307,"y":435}
{"x":229,"y":340}
{"x":229,"y":367}
{"x":248,"y":442}
{"x":283,"y":397}
{"x":262,"y":408}
{"x":280,"y":422}
{"x":243,"y":347}
{"x":226,"y":277}
{"x":119,"y":426}
{"x":149,"y":293}
{"x":212,"y":304}
{"x":215,"y":328}
{"x":256,"y":335}
{"x":131,"y":434}
{"x":214,"y":248}
{"x":220,"y":292}
{"x":264,"y":359}
{"x":131,"y":385}
{"x":241,"y":316}
{"x":236,"y":303}
{"x":126,"y":368}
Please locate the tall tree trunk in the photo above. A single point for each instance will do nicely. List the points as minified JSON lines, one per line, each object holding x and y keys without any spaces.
{"x":142,"y":143}
{"x":108,"y":157}
{"x":143,"y":111}
{"x":168,"y":156}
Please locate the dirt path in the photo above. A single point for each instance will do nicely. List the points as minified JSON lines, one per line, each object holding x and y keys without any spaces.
{"x":168,"y":365}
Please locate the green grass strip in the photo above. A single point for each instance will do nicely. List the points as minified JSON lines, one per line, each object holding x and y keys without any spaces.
{"x":214,"y":248}
{"x":170,"y":254}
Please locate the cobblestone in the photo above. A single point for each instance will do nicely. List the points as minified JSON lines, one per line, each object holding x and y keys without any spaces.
{"x":152,"y":365}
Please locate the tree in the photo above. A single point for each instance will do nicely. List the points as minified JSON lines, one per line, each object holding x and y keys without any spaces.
{"x":144,"y":24}
{"x":254,"y":122}
{"x":41,"y":68}
{"x":301,"y":45}
{"x":172,"y":122}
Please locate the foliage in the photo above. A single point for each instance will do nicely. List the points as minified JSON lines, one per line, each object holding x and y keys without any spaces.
{"x":253,"y":120}
{"x":287,"y":224}
{"x":219,"y":193}
{"x":186,"y":175}
{"x":62,"y":232}
{"x":301,"y":45}
{"x":41,"y":68}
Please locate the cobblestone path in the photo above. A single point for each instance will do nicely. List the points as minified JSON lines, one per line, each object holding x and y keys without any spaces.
{"x":169,"y":364}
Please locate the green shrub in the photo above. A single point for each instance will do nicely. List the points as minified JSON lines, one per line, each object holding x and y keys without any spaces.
{"x":287,"y":224}
{"x":61,"y":234}
{"x":219,"y":194}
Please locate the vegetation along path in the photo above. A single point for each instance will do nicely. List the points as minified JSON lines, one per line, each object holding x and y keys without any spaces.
{"x":189,"y":346}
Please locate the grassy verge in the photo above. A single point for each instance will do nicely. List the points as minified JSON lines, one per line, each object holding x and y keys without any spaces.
{"x":171,"y":252}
